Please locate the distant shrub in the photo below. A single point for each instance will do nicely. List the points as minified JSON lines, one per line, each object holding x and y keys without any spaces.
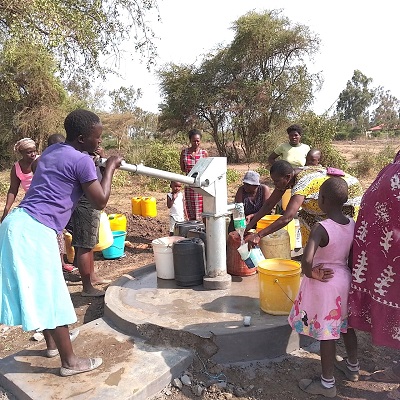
{"x":4,"y":188}
{"x":320,"y":132}
{"x":162,"y":156}
{"x":121,"y":179}
{"x":263,"y":171}
{"x":154,"y":154}
{"x":369,"y":164}
{"x":232,"y":176}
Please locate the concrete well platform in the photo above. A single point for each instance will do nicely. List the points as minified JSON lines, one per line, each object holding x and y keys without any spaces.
{"x":131,"y":368}
{"x":208,"y":321}
{"x":150,"y":333}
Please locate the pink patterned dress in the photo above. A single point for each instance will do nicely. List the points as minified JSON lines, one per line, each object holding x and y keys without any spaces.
{"x":374,"y":301}
{"x":320,"y":309}
{"x":194,"y":201}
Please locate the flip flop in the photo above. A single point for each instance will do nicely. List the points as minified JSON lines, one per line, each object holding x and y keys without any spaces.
{"x":94,"y":363}
{"x":102,"y":282}
{"x":69,"y":268}
{"x":73,"y":334}
{"x":386,"y":375}
{"x":97,"y":293}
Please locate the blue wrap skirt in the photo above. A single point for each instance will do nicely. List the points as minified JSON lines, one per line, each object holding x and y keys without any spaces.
{"x":33,"y":292}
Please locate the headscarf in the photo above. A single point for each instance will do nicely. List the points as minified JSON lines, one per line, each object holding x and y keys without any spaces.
{"x":24,"y":144}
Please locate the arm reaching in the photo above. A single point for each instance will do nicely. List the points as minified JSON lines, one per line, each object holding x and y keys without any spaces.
{"x":97,"y":192}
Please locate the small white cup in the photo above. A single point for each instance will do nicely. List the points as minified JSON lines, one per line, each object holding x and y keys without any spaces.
{"x":247,"y":320}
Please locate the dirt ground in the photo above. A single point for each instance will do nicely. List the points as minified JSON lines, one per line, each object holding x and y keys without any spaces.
{"x":273,"y":379}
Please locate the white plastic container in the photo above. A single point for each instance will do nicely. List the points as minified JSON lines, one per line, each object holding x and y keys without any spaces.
{"x":250,"y":257}
{"x":163,"y":257}
{"x":299,"y":243}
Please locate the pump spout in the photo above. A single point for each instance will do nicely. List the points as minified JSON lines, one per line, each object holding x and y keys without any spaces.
{"x":157,"y":173}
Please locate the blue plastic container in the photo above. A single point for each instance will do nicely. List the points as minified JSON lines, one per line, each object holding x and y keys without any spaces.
{"x":116,"y":250}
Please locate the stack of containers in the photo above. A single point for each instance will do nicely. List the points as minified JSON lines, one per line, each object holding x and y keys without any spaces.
{"x":118,"y":228}
{"x":144,"y":206}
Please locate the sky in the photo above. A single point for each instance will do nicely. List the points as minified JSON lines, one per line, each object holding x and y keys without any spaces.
{"x":354,"y":34}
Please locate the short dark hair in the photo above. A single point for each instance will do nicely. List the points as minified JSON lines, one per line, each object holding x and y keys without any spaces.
{"x":193,"y":132}
{"x":80,"y":122}
{"x":55,"y":138}
{"x":295,"y":128}
{"x":281,"y":168}
{"x":336,"y":189}
{"x":314,"y":151}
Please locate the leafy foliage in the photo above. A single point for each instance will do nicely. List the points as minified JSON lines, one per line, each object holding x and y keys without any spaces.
{"x":355,"y":100}
{"x":387,"y":111}
{"x":319,"y":132}
{"x":369,"y":163}
{"x":32,"y":98}
{"x":232,"y":176}
{"x":78,"y":32}
{"x":246,"y":88}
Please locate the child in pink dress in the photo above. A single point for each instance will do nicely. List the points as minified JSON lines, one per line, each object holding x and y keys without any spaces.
{"x":320,"y":309}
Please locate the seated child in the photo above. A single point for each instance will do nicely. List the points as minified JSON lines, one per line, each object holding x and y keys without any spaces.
{"x":320,"y":308}
{"x":313,"y":158}
{"x":176,"y":205}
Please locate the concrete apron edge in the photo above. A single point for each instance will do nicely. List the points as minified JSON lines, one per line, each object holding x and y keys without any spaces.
{"x":30,"y":378}
{"x":115,"y":313}
{"x":216,"y":343}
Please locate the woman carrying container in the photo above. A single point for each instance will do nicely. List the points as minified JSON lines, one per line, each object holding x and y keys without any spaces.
{"x":304,"y":185}
{"x":189,"y":157}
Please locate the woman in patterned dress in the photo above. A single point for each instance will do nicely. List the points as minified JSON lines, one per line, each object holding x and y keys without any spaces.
{"x":189,"y":157}
{"x":374,"y":300}
{"x":305,"y":184}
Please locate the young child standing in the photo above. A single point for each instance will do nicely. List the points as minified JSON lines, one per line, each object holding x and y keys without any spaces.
{"x":320,"y":309}
{"x":176,"y":205}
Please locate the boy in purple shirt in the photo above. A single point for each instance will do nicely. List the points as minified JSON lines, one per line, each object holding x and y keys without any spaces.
{"x":32,"y":287}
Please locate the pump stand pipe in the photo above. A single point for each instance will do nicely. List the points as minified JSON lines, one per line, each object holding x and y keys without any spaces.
{"x":157,"y":173}
{"x":208,"y":177}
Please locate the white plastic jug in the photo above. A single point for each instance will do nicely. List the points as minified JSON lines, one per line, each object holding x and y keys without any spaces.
{"x":251,"y":257}
{"x":163,"y":257}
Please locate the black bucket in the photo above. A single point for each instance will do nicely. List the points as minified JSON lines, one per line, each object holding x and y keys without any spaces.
{"x":182,"y":228}
{"x":198,"y":233}
{"x":189,"y":262}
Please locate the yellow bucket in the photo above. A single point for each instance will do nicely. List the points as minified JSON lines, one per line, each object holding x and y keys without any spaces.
{"x":117,"y":222}
{"x":106,"y":238}
{"x":69,"y":250}
{"x":279,"y":284}
{"x":149,"y":207}
{"x":286,"y":198}
{"x":136,"y":205}
{"x":267,"y":220}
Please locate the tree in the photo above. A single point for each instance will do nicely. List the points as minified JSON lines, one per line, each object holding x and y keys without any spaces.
{"x":355,"y":100}
{"x":77,"y":32}
{"x":124,"y":99}
{"x":387,"y":111}
{"x":126,"y":120}
{"x":244,"y":89}
{"x":319,"y":132}
{"x":32,"y":98}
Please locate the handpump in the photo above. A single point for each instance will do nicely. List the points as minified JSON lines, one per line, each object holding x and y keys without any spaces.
{"x":207,"y":177}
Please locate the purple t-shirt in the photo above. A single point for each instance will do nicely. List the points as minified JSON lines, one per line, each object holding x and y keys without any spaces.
{"x":56,"y":185}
